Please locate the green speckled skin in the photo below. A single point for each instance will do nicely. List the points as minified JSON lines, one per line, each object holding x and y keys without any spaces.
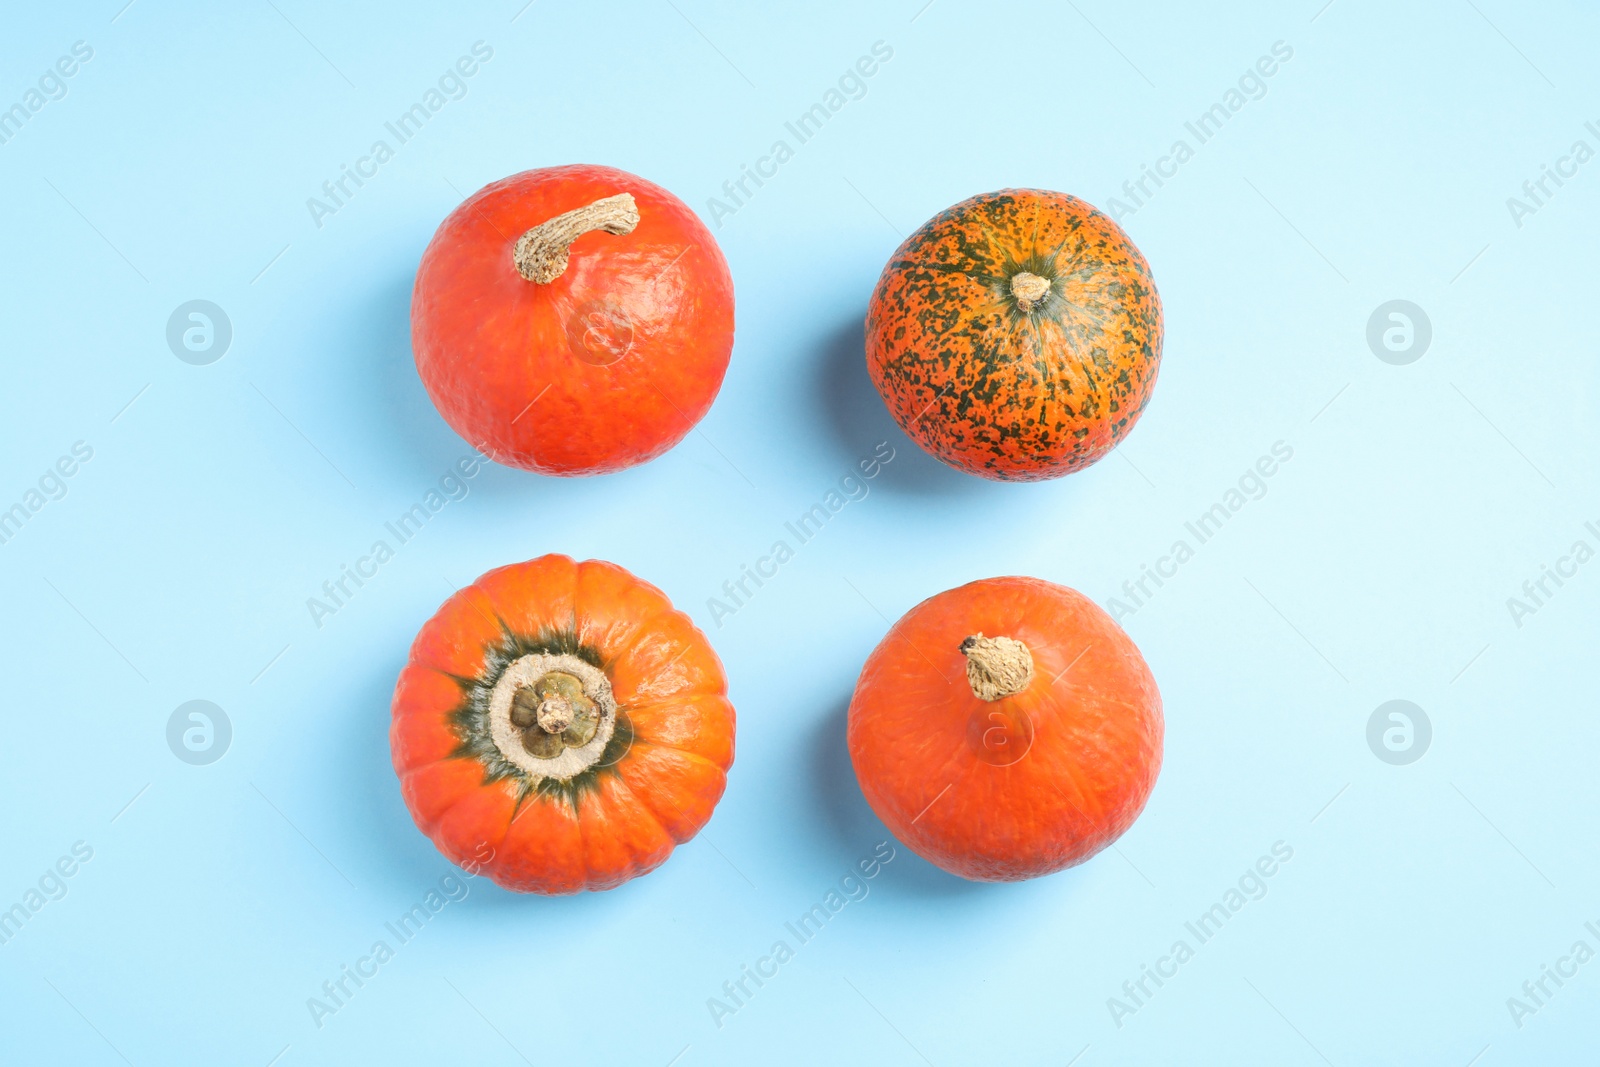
{"x":1001,"y":391}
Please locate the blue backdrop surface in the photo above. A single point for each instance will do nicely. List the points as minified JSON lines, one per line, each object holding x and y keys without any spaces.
{"x":1373,"y":230}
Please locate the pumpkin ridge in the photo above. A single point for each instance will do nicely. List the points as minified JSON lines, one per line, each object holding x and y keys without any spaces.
{"x":677,"y":698}
{"x":682,"y":752}
{"x":459,"y":679}
{"x":722,"y":773}
{"x":646,"y":628}
{"x":444,"y":813}
{"x":405,"y":786}
{"x":644,"y":805}
{"x":583,"y":849}
{"x":1054,"y":256}
{"x":948,"y":268}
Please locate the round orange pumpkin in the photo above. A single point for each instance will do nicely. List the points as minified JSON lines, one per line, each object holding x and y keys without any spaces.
{"x":572,"y":320}
{"x":1016,"y":335}
{"x":559,"y":726}
{"x":1006,"y":729}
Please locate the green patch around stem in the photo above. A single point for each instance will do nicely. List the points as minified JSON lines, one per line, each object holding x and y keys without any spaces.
{"x":470,"y":718}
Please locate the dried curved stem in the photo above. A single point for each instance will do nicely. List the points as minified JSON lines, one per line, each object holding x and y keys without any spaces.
{"x":541,"y":253}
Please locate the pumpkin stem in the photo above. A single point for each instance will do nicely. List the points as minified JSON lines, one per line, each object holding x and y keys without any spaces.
{"x":551,"y":715}
{"x":997,"y":667}
{"x":541,"y":254}
{"x":555,"y":715}
{"x":1029,"y":289}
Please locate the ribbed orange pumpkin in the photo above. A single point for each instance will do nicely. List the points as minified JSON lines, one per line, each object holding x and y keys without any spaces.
{"x":1006,"y":729}
{"x":1016,"y":335}
{"x":560,"y":727}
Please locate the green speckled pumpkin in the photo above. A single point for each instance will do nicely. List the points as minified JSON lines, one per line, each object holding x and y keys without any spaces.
{"x":1016,"y":335}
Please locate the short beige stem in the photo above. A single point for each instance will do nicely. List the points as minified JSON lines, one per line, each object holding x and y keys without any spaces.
{"x":1029,"y":289}
{"x":997,"y":667}
{"x":555,"y":715}
{"x":541,"y":253}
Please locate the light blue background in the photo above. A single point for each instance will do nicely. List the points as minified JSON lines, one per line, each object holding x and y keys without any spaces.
{"x":1377,"y":566}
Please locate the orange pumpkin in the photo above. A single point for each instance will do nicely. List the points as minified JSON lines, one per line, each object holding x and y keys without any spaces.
{"x":572,"y":320}
{"x":560,"y":727}
{"x":1016,"y":335}
{"x":1006,"y":729}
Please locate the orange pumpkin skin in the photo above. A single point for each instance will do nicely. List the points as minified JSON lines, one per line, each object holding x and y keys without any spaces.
{"x":606,"y":366}
{"x":653,"y":782}
{"x":1009,"y":387}
{"x":1007,"y":789}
